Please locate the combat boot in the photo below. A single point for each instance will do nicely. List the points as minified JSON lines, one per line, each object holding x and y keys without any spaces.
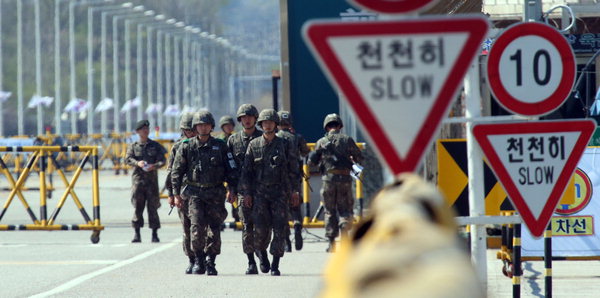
{"x":331,"y":247}
{"x":136,"y":236}
{"x":275,"y":267}
{"x":298,"y":236}
{"x":199,"y":267}
{"x":188,"y":270}
{"x":251,"y":265}
{"x":265,"y":266}
{"x":155,"y":235}
{"x":210,"y":265}
{"x":288,"y":244}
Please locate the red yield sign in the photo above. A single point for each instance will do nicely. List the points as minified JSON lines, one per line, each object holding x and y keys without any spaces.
{"x":534,"y":162}
{"x":398,"y":77}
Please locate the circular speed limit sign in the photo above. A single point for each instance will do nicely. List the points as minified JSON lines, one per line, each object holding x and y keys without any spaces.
{"x":531,"y":69}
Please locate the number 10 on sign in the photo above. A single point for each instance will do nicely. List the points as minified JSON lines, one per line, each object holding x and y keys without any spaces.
{"x":531,"y":69}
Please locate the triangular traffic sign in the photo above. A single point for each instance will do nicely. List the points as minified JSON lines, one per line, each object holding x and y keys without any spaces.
{"x":398,"y":76}
{"x":534,"y":161}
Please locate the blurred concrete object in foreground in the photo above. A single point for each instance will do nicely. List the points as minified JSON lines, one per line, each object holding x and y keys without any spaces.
{"x":406,"y":247}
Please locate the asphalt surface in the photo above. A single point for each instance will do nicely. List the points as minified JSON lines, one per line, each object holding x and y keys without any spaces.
{"x":67,"y":264}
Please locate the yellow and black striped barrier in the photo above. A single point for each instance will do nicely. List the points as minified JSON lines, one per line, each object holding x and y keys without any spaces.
{"x":114,"y":148}
{"x":44,"y":154}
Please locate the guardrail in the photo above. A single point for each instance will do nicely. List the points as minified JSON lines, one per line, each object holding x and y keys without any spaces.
{"x":46,"y":155}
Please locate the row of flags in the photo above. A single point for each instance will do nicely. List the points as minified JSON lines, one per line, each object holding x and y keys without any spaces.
{"x":79,"y":105}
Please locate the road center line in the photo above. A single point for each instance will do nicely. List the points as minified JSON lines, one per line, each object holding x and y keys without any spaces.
{"x":86,"y":277}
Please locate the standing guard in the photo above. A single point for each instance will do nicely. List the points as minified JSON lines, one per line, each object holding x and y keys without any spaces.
{"x":146,"y":157}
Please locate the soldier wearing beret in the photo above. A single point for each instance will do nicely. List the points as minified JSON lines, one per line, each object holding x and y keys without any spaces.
{"x":145,"y":156}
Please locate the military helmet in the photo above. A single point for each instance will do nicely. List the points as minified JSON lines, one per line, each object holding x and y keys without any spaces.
{"x":141,"y":124}
{"x":268,"y":114}
{"x":285,"y":117}
{"x":186,"y":120}
{"x":332,"y":118}
{"x":203,"y":117}
{"x":246,"y":110}
{"x":226,"y":120}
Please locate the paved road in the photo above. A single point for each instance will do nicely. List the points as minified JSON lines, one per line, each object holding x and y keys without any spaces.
{"x":66,"y":264}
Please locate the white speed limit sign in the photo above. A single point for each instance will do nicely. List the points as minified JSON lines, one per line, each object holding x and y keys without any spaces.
{"x":531,"y":69}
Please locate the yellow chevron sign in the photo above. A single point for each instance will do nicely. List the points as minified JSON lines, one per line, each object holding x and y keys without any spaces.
{"x":453,"y":181}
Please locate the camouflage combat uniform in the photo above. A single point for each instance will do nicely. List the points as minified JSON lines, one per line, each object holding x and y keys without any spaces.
{"x":298,"y":149}
{"x":205,"y":168}
{"x":334,"y":154}
{"x":266,"y":176}
{"x":223,"y":137}
{"x":238,"y":144}
{"x":184,"y":210}
{"x":144,"y":191}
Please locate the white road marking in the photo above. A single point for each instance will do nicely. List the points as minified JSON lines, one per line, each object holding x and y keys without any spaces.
{"x":86,"y":277}
{"x":73,"y":262}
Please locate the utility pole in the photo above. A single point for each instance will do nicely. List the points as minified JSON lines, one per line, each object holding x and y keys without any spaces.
{"x":38,"y":67}
{"x":532,"y":11}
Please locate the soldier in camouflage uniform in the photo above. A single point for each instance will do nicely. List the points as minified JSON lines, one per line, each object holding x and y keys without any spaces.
{"x":238,"y":143}
{"x":266,"y":184}
{"x":227,"y":129}
{"x":187,"y":132}
{"x":201,"y":166}
{"x":145,"y":156}
{"x":298,"y":150}
{"x":227,"y":125}
{"x":335,"y":154}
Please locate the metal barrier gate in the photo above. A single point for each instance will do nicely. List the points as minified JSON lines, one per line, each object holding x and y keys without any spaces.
{"x":46,"y":157}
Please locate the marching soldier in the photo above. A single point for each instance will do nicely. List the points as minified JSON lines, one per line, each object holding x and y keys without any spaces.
{"x":266,"y":183}
{"x":335,"y":153}
{"x":146,"y":157}
{"x":227,"y":125}
{"x":201,"y":166}
{"x":186,"y":128}
{"x":298,"y":150}
{"x":247,"y":115}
